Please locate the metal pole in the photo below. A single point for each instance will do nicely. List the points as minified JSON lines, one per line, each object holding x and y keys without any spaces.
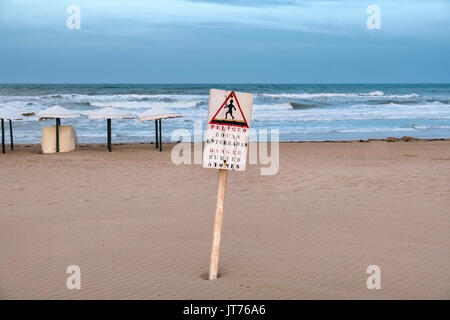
{"x":57,"y":134}
{"x":109,"y":134}
{"x":160,"y":136}
{"x":156,"y":133}
{"x":3,"y":136}
{"x":11,"y":134}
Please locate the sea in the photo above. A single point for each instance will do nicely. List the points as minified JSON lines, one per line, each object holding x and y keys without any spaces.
{"x":301,"y":112}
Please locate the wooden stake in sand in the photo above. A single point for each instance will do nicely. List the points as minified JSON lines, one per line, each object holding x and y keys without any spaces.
{"x":214,"y":263}
{"x":228,"y":129}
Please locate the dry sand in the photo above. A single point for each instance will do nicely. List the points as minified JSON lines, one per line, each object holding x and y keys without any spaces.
{"x":140,"y":227}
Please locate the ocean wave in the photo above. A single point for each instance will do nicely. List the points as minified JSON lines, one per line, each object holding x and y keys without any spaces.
{"x":374,"y":94}
{"x":147,"y":104}
{"x":392,"y":101}
{"x":367,"y":112}
{"x":431,"y":106}
{"x":307,"y":95}
{"x":282,"y":106}
{"x":419,"y":127}
{"x":379,"y":129}
{"x":23,"y":106}
{"x":440,"y":100}
{"x":336,"y":95}
{"x":403,"y":96}
{"x":116,"y":97}
{"x":302,"y":106}
{"x":391,"y":129}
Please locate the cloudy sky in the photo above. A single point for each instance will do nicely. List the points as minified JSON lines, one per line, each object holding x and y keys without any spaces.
{"x":229,"y":41}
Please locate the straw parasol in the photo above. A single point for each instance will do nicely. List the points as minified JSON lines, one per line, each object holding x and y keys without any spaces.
{"x":57,"y":112}
{"x":10,"y":114}
{"x":150,"y":115}
{"x":109,"y":113}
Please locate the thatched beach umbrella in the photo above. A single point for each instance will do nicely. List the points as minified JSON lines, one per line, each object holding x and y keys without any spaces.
{"x":57,"y":112}
{"x":8,"y":114}
{"x":150,"y":115}
{"x":109,"y":113}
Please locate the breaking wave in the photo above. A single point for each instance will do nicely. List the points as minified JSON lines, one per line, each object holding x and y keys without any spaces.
{"x":336,"y":95}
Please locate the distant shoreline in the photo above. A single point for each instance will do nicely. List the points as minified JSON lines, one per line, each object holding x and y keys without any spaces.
{"x":212,"y":83}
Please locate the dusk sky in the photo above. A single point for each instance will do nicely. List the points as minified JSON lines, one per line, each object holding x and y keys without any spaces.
{"x":178,"y":41}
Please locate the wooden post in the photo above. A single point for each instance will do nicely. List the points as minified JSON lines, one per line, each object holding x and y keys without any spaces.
{"x":3,"y":136}
{"x":108,"y":121}
{"x":214,"y":263}
{"x":11,"y":134}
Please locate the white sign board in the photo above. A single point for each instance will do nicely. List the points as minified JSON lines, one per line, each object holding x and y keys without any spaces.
{"x":228,"y":129}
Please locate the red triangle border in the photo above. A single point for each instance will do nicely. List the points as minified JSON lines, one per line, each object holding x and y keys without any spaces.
{"x":239,"y":106}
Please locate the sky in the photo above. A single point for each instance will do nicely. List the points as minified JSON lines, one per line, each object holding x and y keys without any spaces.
{"x":234,"y":41}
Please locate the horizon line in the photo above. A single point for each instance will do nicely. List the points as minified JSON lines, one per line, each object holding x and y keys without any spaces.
{"x":209,"y":83}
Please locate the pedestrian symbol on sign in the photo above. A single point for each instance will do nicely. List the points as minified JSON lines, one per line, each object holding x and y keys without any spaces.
{"x":225,"y":115}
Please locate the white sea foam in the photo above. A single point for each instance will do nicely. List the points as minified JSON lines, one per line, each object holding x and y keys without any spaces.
{"x":335,"y":95}
{"x":430,"y":127}
{"x":146,"y":104}
{"x":402,"y":96}
{"x":103,"y":97}
{"x":375,"y":129}
{"x":338,"y":114}
{"x":356,"y":112}
{"x":282,"y":106}
{"x":307,"y":95}
{"x":375,"y":94}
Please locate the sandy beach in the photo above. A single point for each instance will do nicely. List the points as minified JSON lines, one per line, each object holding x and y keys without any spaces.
{"x":140,"y":227}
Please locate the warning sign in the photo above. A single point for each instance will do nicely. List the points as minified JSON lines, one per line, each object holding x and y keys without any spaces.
{"x":228,"y":114}
{"x":228,"y":129}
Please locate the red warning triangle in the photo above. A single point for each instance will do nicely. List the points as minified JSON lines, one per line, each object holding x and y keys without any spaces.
{"x":228,"y":114}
